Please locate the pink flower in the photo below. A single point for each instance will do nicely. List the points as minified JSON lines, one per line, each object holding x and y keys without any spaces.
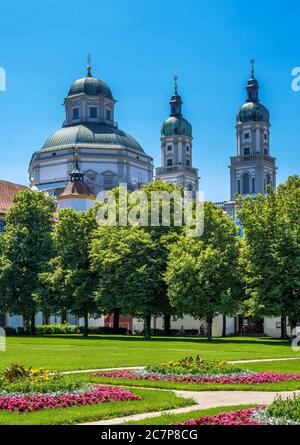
{"x":252,"y":379}
{"x":239,"y":417}
{"x":100,"y":394}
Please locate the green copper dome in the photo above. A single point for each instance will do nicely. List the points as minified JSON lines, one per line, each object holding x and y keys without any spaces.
{"x":90,"y":135}
{"x":176,"y":126}
{"x":90,"y":86}
{"x":253,"y":112}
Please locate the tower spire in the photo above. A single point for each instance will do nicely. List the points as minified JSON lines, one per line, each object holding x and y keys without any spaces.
{"x":252,"y":86}
{"x":89,"y":68}
{"x":175,"y":84}
{"x":76,"y":174}
{"x":252,"y":61}
{"x":176,"y":101}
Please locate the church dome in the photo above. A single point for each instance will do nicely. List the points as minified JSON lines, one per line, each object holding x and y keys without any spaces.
{"x":176,"y":126}
{"x":91,"y":86}
{"x":253,"y":111}
{"x":90,"y":135}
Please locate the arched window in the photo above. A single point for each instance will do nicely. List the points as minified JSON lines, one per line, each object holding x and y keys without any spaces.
{"x":239,"y":186}
{"x":246,"y":183}
{"x":267,"y":181}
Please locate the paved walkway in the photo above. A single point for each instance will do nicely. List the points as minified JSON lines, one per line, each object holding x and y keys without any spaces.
{"x":204,"y":400}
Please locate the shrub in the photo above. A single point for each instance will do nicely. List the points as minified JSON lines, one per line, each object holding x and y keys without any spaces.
{"x":17,"y":373}
{"x":197,"y":365}
{"x":57,"y":329}
{"x":288,"y":408}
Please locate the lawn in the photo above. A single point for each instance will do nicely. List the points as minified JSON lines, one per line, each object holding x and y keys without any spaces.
{"x":75,"y":352}
{"x":169,"y":419}
{"x":151,"y":401}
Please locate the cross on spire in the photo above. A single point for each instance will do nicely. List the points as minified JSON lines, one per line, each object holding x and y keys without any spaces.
{"x":89,"y":68}
{"x":175,"y":83}
{"x":252,"y":61}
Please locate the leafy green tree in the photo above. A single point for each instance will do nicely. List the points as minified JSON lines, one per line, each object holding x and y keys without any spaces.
{"x":69,"y":283}
{"x":202,"y":273}
{"x":163,"y":237}
{"x":25,"y":251}
{"x":125,"y":262}
{"x":270,"y":254}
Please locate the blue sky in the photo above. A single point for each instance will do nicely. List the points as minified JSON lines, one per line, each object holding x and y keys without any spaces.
{"x":137,"y":46}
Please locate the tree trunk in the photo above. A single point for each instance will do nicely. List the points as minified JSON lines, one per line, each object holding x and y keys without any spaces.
{"x":86,"y":324}
{"x":2,"y":320}
{"x":46,"y":318}
{"x":32,"y":323}
{"x":209,"y":328}
{"x":63,"y":316}
{"x":283,"y":327}
{"x":224,"y":326}
{"x":147,"y":327}
{"x":167,"y":324}
{"x":116,"y":319}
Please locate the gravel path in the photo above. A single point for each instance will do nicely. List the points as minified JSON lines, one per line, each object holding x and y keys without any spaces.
{"x":204,"y":400}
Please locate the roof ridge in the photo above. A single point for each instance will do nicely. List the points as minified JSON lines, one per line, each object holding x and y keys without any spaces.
{"x":13,"y":183}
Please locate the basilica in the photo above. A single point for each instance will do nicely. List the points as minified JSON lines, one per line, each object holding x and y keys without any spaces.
{"x":90,"y":154}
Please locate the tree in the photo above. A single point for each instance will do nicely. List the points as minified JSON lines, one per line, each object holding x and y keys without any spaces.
{"x":124,"y":260}
{"x":69,"y":283}
{"x":163,"y":236}
{"x":270,"y":254}
{"x":202,"y":275}
{"x":25,"y":251}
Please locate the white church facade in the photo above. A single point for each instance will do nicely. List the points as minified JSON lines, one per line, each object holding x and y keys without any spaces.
{"x":90,"y":154}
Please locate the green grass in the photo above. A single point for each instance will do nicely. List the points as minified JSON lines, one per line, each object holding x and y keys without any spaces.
{"x":169,"y":419}
{"x":286,"y":366}
{"x":151,"y":401}
{"x":74,"y":352}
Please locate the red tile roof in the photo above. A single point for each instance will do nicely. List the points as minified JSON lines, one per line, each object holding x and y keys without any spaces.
{"x":7,"y":192}
{"x":76,"y":189}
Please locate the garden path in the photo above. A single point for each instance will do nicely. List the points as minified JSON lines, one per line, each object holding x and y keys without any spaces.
{"x":205,"y":400}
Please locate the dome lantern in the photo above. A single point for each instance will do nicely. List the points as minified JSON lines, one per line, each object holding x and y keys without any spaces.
{"x":252,"y":110}
{"x":176,"y":124}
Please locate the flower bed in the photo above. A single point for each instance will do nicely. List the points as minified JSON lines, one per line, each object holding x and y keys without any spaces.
{"x":239,"y":417}
{"x":242,"y":378}
{"x":26,"y":389}
{"x":33,"y":402}
{"x":280,"y":412}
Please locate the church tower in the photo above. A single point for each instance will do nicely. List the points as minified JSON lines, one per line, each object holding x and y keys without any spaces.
{"x":253,"y":168}
{"x":176,"y":148}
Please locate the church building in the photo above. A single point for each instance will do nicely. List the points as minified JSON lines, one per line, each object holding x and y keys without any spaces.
{"x":90,"y":154}
{"x":253,"y":168}
{"x":107,"y":155}
{"x":176,"y":149}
